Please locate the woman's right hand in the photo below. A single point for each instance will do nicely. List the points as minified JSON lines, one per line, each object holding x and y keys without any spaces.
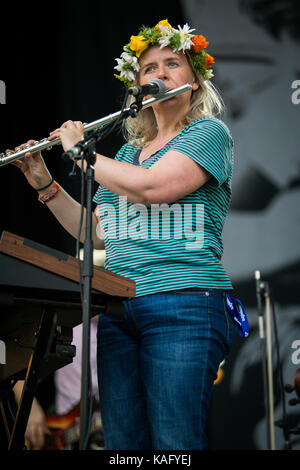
{"x":33,"y":167}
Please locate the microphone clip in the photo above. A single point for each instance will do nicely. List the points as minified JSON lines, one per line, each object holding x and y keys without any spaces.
{"x":136,"y":106}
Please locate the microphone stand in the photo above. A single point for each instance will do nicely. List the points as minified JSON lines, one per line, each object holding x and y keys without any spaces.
{"x":263,"y":293}
{"x":89,"y":158}
{"x":85,"y":150}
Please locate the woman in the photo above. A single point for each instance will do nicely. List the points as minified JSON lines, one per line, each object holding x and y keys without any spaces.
{"x":162,"y":203}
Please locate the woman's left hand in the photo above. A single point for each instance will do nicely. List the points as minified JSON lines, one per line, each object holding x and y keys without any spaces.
{"x":69,"y":133}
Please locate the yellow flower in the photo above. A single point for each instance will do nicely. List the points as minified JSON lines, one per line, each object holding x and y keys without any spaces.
{"x":138,"y":44}
{"x":163,"y":23}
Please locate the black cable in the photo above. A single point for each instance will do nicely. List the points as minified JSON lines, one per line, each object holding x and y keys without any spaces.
{"x":108,"y":129}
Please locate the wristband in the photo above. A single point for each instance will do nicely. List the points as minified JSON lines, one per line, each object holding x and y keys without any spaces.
{"x":44,"y":187}
{"x":50,"y":194}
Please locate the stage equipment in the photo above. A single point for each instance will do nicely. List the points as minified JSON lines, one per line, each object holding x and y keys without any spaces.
{"x":267,"y":324}
{"x":40,"y":304}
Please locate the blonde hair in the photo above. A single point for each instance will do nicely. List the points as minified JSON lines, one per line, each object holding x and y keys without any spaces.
{"x":206,"y":101}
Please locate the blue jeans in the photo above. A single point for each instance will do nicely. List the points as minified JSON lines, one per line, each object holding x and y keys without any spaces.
{"x":156,"y":368}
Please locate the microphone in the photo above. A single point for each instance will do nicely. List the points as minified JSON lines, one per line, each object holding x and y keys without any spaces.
{"x":154,"y":87}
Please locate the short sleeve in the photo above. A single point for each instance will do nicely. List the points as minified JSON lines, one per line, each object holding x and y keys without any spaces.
{"x":209,"y":143}
{"x":120,"y":156}
{"x":97,"y":195}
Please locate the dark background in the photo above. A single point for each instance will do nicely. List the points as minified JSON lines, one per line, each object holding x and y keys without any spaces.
{"x":57,"y":61}
{"x":59,"y":65}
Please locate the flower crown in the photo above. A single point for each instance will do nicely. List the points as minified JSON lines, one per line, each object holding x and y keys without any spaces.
{"x":165,"y":35}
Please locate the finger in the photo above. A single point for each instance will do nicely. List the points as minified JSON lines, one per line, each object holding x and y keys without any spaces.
{"x":30,"y":435}
{"x":40,"y":438}
{"x":53,"y":135}
{"x":35,"y":435}
{"x":57,"y":133}
{"x":79,"y":125}
{"x":22,"y":146}
{"x":30,"y":143}
{"x":61,"y":127}
{"x":67,"y":123}
{"x":55,"y":130}
{"x":9,"y":151}
{"x":18,"y":164}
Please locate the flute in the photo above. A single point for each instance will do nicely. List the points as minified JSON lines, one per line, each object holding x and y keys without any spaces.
{"x":45,"y":144}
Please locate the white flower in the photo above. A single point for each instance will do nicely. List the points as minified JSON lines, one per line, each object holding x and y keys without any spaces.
{"x":208,"y":74}
{"x":185,"y":37}
{"x":166,"y":34}
{"x":131,"y":59}
{"x":127,"y":66}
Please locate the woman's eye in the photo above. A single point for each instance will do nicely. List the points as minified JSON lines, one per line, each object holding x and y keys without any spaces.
{"x":149,"y":69}
{"x":172,"y":64}
{"x":152,"y":68}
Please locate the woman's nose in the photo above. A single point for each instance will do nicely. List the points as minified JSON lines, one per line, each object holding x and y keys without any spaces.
{"x":162,"y":73}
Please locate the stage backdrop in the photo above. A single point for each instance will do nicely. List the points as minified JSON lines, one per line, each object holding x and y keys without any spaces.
{"x":57,"y":64}
{"x":256,"y":46}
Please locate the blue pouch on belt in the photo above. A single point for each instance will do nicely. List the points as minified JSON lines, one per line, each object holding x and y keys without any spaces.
{"x":238,"y":314}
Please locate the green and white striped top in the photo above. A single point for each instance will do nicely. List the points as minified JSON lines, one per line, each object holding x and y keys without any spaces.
{"x":165,"y":247}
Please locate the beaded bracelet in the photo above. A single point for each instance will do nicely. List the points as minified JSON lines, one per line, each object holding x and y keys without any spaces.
{"x":50,"y":194}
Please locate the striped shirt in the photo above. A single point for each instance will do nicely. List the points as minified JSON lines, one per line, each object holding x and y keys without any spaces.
{"x":173,"y":246}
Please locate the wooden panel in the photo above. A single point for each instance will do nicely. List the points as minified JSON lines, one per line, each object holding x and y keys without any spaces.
{"x":65,"y":266}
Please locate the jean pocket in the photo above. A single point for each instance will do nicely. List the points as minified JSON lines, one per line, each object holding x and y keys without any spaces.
{"x":199,"y":291}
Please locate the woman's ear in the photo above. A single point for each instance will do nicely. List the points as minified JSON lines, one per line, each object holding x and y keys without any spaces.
{"x":195,"y":85}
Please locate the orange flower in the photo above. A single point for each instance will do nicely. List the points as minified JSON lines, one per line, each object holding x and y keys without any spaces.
{"x":199,"y":43}
{"x":209,"y":60}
